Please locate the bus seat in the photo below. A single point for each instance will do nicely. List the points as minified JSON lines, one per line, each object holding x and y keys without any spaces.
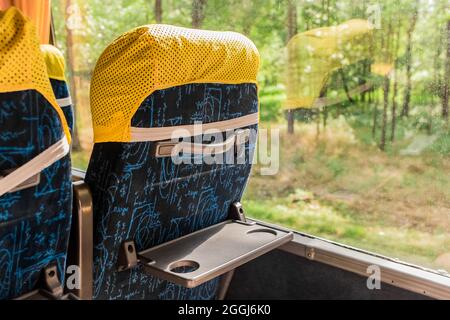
{"x":149,"y":82}
{"x":54,"y":60}
{"x":35,"y":177}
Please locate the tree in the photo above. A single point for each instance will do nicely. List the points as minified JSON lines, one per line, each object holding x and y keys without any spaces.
{"x":375,"y":119}
{"x":292,"y":31}
{"x":395,"y":88}
{"x":408,"y":57}
{"x":387,"y":83}
{"x":446,"y":93}
{"x":158,"y":11}
{"x":76,"y":146}
{"x":198,"y":13}
{"x":385,"y":109}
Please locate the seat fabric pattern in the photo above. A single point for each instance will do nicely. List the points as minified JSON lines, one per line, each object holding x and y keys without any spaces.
{"x":34,"y":222}
{"x":61,"y":90}
{"x":152,"y":200}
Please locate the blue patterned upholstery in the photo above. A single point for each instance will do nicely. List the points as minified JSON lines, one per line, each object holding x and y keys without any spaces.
{"x":34,"y":222}
{"x":61,"y":90}
{"x":152,"y":200}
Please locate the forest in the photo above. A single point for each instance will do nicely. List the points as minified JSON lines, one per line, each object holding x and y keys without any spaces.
{"x":367,"y":162}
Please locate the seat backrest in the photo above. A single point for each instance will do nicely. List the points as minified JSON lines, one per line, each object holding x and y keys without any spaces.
{"x":54,"y":60}
{"x":35,"y":188}
{"x":151,"y":79}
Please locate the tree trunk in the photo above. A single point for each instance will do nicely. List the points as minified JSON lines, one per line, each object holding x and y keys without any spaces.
{"x":317,"y":125}
{"x":198,"y":13}
{"x":408,"y":55}
{"x":387,"y":57}
{"x":385,"y":112}
{"x":395,"y":88}
{"x":344,"y":84}
{"x":291,"y":19}
{"x":446,"y":93}
{"x":394,"y":106}
{"x":248,"y":7}
{"x":290,"y":119}
{"x":363,"y":79}
{"x":158,"y":11}
{"x":321,"y":110}
{"x":292,"y":31}
{"x":375,"y":114}
{"x":76,"y":146}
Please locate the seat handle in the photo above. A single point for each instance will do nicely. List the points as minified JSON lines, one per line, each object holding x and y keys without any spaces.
{"x":168,"y":148}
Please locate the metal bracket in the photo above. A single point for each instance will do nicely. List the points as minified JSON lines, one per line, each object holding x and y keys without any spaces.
{"x":51,"y":288}
{"x":51,"y":282}
{"x":310,"y":253}
{"x":237,"y":212}
{"x":80,"y":252}
{"x":127,"y":258}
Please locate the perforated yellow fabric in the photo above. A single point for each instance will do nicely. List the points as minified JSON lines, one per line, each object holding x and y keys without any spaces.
{"x":22,"y":65}
{"x":156,"y":57}
{"x":54,"y":59}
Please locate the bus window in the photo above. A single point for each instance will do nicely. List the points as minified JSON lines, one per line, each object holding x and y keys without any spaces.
{"x":354,"y":97}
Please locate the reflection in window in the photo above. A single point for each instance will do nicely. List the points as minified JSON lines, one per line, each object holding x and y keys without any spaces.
{"x":358,"y":90}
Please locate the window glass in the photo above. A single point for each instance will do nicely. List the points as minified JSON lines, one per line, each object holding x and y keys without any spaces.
{"x":354,"y":102}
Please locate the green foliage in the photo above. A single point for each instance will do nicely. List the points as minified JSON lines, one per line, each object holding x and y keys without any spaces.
{"x":270,"y":100}
{"x":336,"y":166}
{"x":442,"y":144}
{"x":265,"y":23}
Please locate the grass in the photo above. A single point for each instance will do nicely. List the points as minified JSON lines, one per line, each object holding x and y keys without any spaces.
{"x":339,"y":223}
{"x":338,"y":185}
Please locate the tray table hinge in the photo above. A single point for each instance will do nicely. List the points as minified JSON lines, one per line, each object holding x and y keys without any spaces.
{"x":237,"y":212}
{"x":51,"y":282}
{"x":51,"y":288}
{"x":127,"y":258}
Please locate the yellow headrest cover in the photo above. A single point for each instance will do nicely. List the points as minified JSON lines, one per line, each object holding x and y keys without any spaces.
{"x":54,"y":59}
{"x":22,"y":66}
{"x":156,"y":57}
